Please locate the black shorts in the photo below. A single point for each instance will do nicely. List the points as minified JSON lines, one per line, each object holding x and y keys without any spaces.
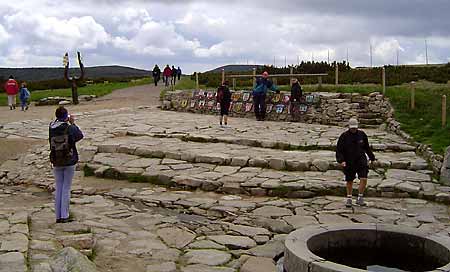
{"x":224,"y":108}
{"x":350,"y":172}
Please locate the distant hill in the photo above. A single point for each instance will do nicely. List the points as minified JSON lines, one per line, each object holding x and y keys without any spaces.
{"x":42,"y":74}
{"x":234,"y":68}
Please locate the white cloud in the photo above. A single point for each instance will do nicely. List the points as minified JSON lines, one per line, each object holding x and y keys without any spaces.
{"x":67,"y":34}
{"x":197,"y":34}
{"x":4,"y":35}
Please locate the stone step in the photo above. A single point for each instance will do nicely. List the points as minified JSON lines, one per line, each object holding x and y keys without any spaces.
{"x":284,"y":140}
{"x":320,"y":144}
{"x":262,"y":182}
{"x":236,"y":155}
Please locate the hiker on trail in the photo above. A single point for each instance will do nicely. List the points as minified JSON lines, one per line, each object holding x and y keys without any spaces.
{"x":179,"y":73}
{"x":259,"y":95}
{"x":24,"y":96}
{"x":156,"y":73}
{"x":11,"y":88}
{"x":296,"y":94}
{"x":174,"y":74}
{"x":351,"y":152}
{"x":224,"y":99}
{"x":167,"y":73}
{"x":63,"y":135}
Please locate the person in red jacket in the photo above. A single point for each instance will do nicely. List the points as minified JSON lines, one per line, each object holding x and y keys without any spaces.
{"x":167,"y":74}
{"x":11,"y":88}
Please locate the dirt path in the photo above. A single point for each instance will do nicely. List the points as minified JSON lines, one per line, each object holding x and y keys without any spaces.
{"x":129,"y":97}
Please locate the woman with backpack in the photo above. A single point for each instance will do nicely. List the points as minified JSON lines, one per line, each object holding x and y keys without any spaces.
{"x":63,"y":135}
{"x":224,"y":99}
{"x":24,"y":96}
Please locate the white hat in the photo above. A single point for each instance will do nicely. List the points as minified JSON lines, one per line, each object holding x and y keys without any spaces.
{"x":353,"y":123}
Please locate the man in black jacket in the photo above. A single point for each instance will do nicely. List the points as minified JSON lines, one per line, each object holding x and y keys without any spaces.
{"x":351,"y":151}
{"x":156,"y":73}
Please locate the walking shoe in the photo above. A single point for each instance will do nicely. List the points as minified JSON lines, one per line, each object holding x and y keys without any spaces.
{"x":360,"y":201}
{"x":348,"y":203}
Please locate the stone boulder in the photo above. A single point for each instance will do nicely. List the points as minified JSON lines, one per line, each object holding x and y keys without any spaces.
{"x":445,"y":170}
{"x":71,"y":260}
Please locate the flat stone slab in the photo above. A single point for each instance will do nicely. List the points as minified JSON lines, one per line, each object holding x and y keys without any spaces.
{"x":13,"y":262}
{"x":176,"y":237}
{"x":210,"y":257}
{"x":272,"y":211}
{"x":258,"y":264}
{"x":233,"y":242}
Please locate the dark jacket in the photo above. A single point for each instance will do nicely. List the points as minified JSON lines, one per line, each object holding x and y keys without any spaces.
{"x":262,"y":85}
{"x":174,"y":72}
{"x":353,"y":147}
{"x":156,"y":72}
{"x":296,"y":92}
{"x":224,"y":95}
{"x":57,"y":128}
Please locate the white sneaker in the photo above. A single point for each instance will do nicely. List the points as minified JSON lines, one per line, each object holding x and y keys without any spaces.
{"x":360,"y":201}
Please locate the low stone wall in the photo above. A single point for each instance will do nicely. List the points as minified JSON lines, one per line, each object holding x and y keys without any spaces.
{"x":320,"y":107}
{"x":436,"y":161}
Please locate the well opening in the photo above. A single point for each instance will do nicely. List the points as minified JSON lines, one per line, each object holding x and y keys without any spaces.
{"x":390,"y":248}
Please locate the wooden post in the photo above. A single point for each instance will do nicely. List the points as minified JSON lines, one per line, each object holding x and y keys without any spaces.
{"x":337,"y":75}
{"x":223,"y":75}
{"x":196,"y":81}
{"x":275,"y":81}
{"x":291,"y":72}
{"x":413,"y":94}
{"x":234,"y":83}
{"x":254,"y":77}
{"x":320,"y":82}
{"x":383,"y":79}
{"x":444,"y":111}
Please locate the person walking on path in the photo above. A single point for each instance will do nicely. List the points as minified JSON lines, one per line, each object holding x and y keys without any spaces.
{"x":179,"y":73}
{"x":224,"y":99}
{"x":296,"y":94}
{"x":174,"y":74}
{"x":24,"y":96}
{"x":167,"y":73}
{"x":11,"y":88}
{"x":156,"y":73}
{"x":351,"y":152}
{"x":63,"y":136}
{"x":259,"y":95}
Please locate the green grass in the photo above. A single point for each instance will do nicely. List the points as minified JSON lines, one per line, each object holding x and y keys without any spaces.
{"x":95,"y":89}
{"x":424,"y":122}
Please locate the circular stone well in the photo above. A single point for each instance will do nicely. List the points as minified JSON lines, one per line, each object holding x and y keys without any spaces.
{"x":365,"y":247}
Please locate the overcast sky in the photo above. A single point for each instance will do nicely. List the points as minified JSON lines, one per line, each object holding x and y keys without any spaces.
{"x":199,"y":35}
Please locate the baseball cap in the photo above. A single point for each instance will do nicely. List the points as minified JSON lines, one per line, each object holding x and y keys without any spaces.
{"x":353,"y":123}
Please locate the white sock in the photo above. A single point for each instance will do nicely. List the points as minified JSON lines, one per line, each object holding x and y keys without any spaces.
{"x":360,"y":195}
{"x":349,"y":196}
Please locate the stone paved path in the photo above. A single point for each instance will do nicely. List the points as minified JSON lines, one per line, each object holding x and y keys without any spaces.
{"x":210,"y":199}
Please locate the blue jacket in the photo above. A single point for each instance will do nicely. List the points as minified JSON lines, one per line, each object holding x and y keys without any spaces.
{"x":58,"y":127}
{"x":262,"y":85}
{"x":24,"y":94}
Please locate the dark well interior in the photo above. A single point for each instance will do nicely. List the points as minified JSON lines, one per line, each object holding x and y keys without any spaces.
{"x":363,"y":248}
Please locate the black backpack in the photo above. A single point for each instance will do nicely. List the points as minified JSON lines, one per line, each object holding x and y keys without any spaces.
{"x":61,"y":152}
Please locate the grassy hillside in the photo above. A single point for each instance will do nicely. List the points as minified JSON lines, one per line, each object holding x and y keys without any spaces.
{"x":44,"y":74}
